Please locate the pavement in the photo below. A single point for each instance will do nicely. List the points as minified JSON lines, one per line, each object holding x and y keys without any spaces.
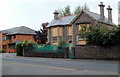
{"x":16,"y":65}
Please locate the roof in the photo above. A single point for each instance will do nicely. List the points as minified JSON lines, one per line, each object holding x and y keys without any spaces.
{"x":97,"y":17}
{"x":68,"y":19}
{"x":19,"y":30}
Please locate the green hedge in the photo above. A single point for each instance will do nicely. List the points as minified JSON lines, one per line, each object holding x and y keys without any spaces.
{"x":19,"y":49}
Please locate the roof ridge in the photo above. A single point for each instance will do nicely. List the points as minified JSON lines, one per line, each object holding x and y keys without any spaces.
{"x":68,"y":15}
{"x":20,"y":29}
{"x":91,"y":12}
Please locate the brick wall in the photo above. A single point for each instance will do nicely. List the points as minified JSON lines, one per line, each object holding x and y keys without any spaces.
{"x":46,"y":55}
{"x":97,"y":52}
{"x":25,"y":37}
{"x":1,"y":40}
{"x":18,"y":38}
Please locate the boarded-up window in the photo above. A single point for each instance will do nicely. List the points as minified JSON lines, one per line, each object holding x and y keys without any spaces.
{"x":70,"y":30}
{"x":54,"y":31}
{"x":83,"y":25}
{"x":81,"y":42}
{"x":60,"y":31}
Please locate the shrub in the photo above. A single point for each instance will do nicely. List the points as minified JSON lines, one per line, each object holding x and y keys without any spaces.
{"x":27,"y":45}
{"x":102,"y":36}
{"x":61,"y":44}
{"x":19,"y":49}
{"x":24,"y":46}
{"x":0,"y":50}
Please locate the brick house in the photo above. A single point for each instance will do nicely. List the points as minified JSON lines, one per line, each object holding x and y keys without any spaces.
{"x":67,"y":27}
{"x":10,"y":37}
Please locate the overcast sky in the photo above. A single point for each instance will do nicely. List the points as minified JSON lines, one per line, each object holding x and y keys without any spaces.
{"x":32,"y":13}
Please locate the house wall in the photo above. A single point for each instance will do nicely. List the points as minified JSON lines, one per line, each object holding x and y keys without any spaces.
{"x":82,"y":19}
{"x":18,"y":38}
{"x":55,"y":34}
{"x":25,"y":37}
{"x":1,"y":35}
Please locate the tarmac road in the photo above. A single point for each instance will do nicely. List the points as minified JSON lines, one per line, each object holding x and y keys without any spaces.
{"x":14,"y":65}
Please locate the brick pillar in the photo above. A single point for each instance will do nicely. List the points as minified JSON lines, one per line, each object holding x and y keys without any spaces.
{"x":49,"y":35}
{"x":65,"y":33}
{"x":74,"y":38}
{"x":73,"y":51}
{"x":66,"y":53}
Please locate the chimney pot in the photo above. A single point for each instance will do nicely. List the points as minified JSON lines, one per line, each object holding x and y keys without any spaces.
{"x":56,"y":14}
{"x":109,"y":13}
{"x":102,"y":11}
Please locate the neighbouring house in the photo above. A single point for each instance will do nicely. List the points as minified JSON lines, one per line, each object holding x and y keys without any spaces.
{"x":10,"y":37}
{"x":67,"y":27}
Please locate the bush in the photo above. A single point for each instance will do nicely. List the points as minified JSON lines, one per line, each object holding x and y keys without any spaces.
{"x":19,"y":49}
{"x":61,"y":44}
{"x":0,"y":50}
{"x":102,"y":36}
{"x":26,"y":45}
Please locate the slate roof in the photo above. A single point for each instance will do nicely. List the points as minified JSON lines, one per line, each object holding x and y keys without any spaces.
{"x":97,"y":17}
{"x":19,"y":30}
{"x":68,"y":19}
{"x":62,"y":20}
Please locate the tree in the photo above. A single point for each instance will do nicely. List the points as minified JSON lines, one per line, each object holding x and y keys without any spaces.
{"x":77,"y":9}
{"x":67,"y":11}
{"x":119,"y":25}
{"x":41,"y":35}
{"x":86,"y":7}
{"x":64,"y":12}
{"x":101,"y":35}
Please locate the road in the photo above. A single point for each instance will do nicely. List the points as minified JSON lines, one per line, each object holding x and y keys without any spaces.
{"x":14,"y":65}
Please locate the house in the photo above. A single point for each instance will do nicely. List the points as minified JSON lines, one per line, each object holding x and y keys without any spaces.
{"x":67,"y":27}
{"x":10,"y":37}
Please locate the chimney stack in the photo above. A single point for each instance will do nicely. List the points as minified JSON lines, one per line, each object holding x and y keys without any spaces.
{"x":102,"y":11}
{"x":55,"y":14}
{"x":109,"y":13}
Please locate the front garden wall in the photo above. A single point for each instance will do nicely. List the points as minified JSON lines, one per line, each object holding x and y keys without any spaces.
{"x":97,"y":52}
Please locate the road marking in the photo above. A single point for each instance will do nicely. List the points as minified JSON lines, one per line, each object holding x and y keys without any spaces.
{"x":59,"y":68}
{"x":43,"y":66}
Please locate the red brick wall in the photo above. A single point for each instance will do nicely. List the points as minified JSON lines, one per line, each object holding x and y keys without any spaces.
{"x":18,"y":38}
{"x":25,"y":37}
{"x":1,"y":40}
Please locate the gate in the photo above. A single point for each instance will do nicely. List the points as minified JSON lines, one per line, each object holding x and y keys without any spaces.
{"x":70,"y":51}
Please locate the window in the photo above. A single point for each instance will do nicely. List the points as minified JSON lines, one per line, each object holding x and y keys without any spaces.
{"x":54,"y":31}
{"x":4,"y":46}
{"x":70,"y":30}
{"x":14,"y":36}
{"x":60,"y":31}
{"x":12,"y":46}
{"x":81,"y":26}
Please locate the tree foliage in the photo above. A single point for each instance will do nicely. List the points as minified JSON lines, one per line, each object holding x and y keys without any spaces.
{"x":24,"y":46}
{"x":77,"y":10}
{"x":102,"y":36}
{"x":41,"y":35}
{"x":67,"y":10}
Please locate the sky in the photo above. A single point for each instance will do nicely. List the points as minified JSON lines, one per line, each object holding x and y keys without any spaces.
{"x":32,"y":13}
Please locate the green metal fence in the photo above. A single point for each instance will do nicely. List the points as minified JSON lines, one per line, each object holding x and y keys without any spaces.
{"x":53,"y":49}
{"x":47,"y":49}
